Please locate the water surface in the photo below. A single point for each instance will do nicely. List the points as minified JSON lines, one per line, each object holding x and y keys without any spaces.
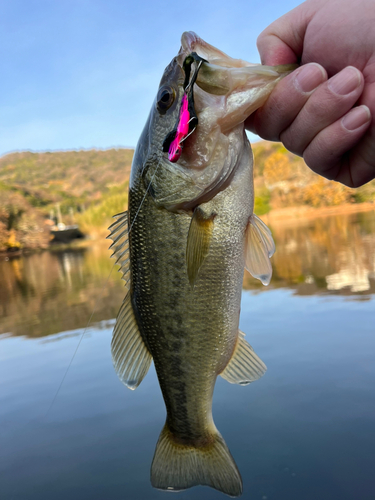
{"x":305,"y":430}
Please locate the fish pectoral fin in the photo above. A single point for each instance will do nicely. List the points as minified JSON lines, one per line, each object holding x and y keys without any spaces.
{"x":244,"y":366}
{"x":198,"y":241}
{"x":259,"y":249}
{"x":119,"y":234}
{"x":130,"y":356}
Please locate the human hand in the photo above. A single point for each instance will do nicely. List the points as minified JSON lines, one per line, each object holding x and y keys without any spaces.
{"x":324,"y":110}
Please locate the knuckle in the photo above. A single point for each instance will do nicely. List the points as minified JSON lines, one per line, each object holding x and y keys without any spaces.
{"x":275,"y":116}
{"x":318,"y":110}
{"x":292,"y":141}
{"x":263,"y":124}
{"x":262,"y":40}
{"x":352,"y":184}
{"x":313,"y":162}
{"x":321,"y":159}
{"x":325,"y":107}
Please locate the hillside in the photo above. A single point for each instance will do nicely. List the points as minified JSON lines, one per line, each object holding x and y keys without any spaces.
{"x":283,"y":180}
{"x":71,"y":178}
{"x":32,"y":184}
{"x":90,"y":186}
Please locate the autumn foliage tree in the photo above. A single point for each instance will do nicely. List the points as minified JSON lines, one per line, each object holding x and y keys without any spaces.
{"x":277,"y":169}
{"x":21,"y":225}
{"x":291,"y":183}
{"x":325,"y":193}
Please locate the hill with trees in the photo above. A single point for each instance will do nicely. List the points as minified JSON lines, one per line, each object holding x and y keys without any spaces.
{"x":90,"y":186}
{"x":80,"y":183}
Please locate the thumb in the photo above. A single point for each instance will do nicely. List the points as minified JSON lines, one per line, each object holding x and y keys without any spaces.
{"x":282,"y":41}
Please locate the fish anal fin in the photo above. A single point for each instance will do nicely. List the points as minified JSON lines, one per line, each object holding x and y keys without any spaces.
{"x":198,"y":241}
{"x":259,"y":249}
{"x":119,"y":234}
{"x":130,"y":356}
{"x":177,"y":466}
{"x":244,"y":366}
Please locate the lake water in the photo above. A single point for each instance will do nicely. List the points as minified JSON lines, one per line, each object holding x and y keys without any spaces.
{"x":305,"y":431}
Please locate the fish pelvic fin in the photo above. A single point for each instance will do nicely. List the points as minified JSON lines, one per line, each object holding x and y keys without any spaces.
{"x":130,"y":356}
{"x":244,"y":366}
{"x":119,"y":234}
{"x":198,"y":242}
{"x":259,"y":249}
{"x":177,"y":466}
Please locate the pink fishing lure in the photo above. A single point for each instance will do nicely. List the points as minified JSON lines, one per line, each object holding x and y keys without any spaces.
{"x":175,"y":148}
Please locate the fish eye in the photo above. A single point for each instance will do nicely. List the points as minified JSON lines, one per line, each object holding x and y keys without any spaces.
{"x":165,"y":98}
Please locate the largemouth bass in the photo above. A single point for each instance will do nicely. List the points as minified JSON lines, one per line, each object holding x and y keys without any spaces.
{"x":182,"y":247}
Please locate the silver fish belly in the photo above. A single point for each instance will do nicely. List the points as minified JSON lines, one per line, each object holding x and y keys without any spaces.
{"x":182,"y":247}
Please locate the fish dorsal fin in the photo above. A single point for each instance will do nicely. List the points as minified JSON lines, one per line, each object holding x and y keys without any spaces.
{"x":119,"y":234}
{"x":244,"y":366}
{"x":130,"y":356}
{"x":259,"y":249}
{"x":198,"y":241}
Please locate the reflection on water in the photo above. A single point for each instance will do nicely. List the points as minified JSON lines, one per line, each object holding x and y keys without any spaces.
{"x":306,"y":430}
{"x":326,"y":255}
{"x":47,"y":293}
{"x":50,"y":292}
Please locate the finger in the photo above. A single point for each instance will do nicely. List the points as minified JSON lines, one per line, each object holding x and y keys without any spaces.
{"x":327,"y":104}
{"x":273,"y":50}
{"x":327,"y":153}
{"x":362,"y":158}
{"x":361,"y":165}
{"x":286,"y":101}
{"x":282,"y":41}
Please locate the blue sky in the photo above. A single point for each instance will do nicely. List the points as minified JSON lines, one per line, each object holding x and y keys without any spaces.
{"x":83,"y":73}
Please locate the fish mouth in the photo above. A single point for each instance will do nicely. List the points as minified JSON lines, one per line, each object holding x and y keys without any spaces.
{"x":202,"y":153}
{"x":226,"y":92}
{"x":191,"y":42}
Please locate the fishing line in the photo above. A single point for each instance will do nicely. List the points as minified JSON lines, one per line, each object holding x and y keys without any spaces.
{"x":99,"y":298}
{"x":144,"y":197}
{"x":80,"y":340}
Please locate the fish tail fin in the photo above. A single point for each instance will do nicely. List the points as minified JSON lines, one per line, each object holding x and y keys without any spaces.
{"x":177,"y":466}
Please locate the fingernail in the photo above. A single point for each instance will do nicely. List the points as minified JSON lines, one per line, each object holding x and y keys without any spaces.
{"x":356,"y":118}
{"x":346,"y":81}
{"x":309,"y":77}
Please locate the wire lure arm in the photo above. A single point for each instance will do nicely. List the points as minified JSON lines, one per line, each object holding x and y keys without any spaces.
{"x":187,"y":119}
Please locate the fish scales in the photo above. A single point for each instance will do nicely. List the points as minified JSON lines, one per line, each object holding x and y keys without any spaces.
{"x":192,"y":320}
{"x":192,"y":232}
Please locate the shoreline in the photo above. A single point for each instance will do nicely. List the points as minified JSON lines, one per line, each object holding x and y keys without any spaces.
{"x":292,"y":215}
{"x":279,"y":216}
{"x":76,"y":244}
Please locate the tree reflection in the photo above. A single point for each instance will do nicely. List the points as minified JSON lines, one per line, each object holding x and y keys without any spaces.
{"x":46,"y":293}
{"x":50,"y":292}
{"x":334,"y":254}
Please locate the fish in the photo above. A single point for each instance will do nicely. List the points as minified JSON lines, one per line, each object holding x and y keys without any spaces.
{"x":182,"y":247}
